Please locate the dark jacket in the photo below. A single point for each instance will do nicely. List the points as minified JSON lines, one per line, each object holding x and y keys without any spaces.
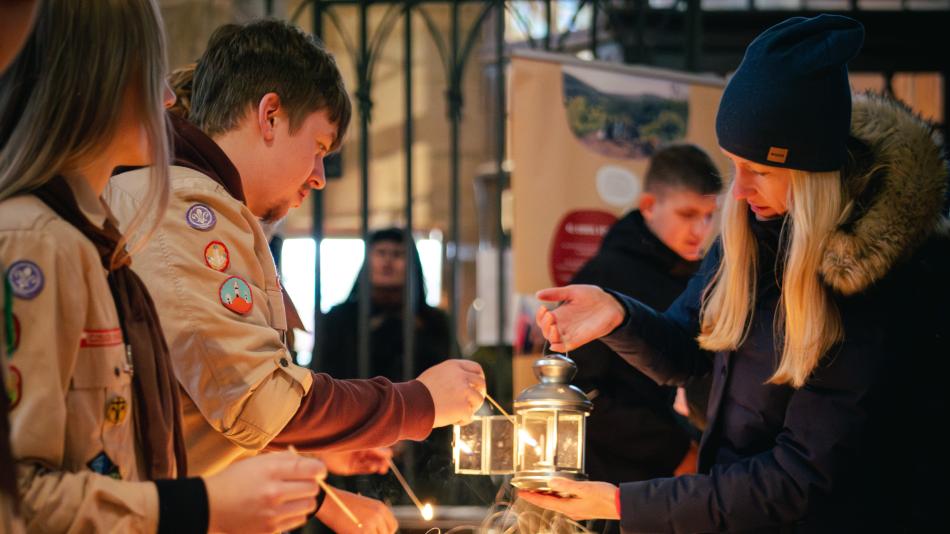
{"x":855,"y":449}
{"x":632,"y":433}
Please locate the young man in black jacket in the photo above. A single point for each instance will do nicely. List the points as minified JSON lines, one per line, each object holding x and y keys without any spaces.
{"x":651,"y":253}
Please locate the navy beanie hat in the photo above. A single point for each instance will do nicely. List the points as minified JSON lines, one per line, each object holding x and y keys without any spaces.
{"x":789,"y":103}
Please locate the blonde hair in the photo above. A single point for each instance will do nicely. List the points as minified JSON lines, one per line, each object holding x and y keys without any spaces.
{"x":60,"y":98}
{"x":807,"y":322}
{"x":182,"y":81}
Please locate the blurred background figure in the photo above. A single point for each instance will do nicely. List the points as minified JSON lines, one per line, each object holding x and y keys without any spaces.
{"x":427,"y":463}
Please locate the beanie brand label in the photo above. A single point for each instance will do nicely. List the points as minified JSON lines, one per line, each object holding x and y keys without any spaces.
{"x":777,"y":155}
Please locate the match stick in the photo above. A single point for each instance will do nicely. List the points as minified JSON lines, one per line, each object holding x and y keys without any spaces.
{"x":500,"y":409}
{"x":405,"y":485}
{"x":332,"y":494}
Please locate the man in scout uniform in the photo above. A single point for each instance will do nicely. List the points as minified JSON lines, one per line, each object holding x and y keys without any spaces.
{"x":268,"y":105}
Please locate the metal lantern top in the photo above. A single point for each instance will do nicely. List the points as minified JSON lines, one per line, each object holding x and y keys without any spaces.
{"x":554,"y":372}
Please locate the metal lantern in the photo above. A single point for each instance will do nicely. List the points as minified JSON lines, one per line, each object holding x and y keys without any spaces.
{"x":552,"y":423}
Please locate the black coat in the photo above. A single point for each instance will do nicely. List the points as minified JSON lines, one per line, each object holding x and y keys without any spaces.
{"x":855,"y":449}
{"x":632,"y":433}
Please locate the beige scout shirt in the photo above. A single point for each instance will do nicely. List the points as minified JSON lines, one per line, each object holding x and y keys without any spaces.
{"x":70,"y":361}
{"x":207,"y":257}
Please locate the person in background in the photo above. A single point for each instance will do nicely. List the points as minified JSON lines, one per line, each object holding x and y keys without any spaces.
{"x":268,"y":104}
{"x":338,"y":348}
{"x":649,"y":254}
{"x":820,"y":312}
{"x":95,"y":420}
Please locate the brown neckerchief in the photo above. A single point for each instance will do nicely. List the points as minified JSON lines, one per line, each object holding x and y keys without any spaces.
{"x":157,"y":408}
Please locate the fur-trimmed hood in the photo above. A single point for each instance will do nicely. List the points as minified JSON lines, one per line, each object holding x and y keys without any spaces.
{"x":899,"y":193}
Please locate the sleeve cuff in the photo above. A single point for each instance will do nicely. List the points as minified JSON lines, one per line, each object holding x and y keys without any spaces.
{"x":419,"y":414}
{"x":182,"y":506}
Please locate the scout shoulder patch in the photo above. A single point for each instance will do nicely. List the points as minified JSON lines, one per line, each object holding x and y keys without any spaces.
{"x":13,"y":386}
{"x":103,"y":465}
{"x":101,"y":338}
{"x":116,"y":409}
{"x":26,"y":279}
{"x":217,"y":256}
{"x":235,"y":295}
{"x":200,"y":217}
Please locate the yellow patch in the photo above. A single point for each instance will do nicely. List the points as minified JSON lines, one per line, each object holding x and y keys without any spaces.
{"x":777,"y":155}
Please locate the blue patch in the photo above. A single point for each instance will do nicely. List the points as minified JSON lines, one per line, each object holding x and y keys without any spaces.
{"x":26,"y":279}
{"x":200,"y":217}
{"x":103,"y":465}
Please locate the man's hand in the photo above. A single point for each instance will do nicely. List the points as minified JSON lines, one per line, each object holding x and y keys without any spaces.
{"x":457,"y":388}
{"x":588,"y":500}
{"x":586,"y":313}
{"x":374,"y":515}
{"x":363,"y":462}
{"x":264,"y":494}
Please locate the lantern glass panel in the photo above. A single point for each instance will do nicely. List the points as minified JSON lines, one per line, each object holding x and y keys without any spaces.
{"x":501,"y":459}
{"x":468,"y":447}
{"x":535,"y":444}
{"x":569,"y":439}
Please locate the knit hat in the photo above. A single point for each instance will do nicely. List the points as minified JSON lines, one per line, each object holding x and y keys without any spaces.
{"x":789,"y":103}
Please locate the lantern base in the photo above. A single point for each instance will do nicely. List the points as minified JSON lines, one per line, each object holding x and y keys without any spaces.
{"x":540,"y":482}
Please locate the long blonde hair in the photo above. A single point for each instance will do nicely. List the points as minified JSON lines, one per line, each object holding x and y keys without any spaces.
{"x":60,"y":98}
{"x":807,"y":322}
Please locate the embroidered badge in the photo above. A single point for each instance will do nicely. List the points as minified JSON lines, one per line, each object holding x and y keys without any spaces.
{"x":103,"y":465}
{"x":236,"y":296}
{"x":116,"y":409}
{"x":200,"y":217}
{"x":101,"y":338}
{"x":26,"y":279}
{"x":777,"y":155}
{"x":217,"y":256}
{"x":13,"y":386}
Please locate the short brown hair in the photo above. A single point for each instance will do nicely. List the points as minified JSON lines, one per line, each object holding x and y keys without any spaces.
{"x":683,"y":166}
{"x":243,"y":63}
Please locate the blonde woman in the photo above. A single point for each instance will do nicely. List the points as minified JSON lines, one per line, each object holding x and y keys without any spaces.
{"x":94,"y":414}
{"x":818,"y":312}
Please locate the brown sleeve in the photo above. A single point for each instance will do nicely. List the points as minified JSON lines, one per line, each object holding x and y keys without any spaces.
{"x":357,"y":414}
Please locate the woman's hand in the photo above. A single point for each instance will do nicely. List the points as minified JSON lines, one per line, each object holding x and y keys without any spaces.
{"x":264,"y":494}
{"x":375,"y":516}
{"x":362,"y":462}
{"x":586,"y":313}
{"x":588,"y":500}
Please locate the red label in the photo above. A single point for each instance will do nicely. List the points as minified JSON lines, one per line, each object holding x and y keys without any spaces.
{"x":101,"y":338}
{"x":576,"y":240}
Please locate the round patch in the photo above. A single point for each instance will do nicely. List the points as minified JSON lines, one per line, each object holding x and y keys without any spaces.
{"x":217,"y":256}
{"x":14,"y":385}
{"x":116,"y":409}
{"x":26,"y":279}
{"x":200,"y":217}
{"x":235,"y":295}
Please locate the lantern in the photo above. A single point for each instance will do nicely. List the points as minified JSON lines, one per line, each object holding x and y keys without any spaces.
{"x":551,"y":418}
{"x":485,"y":446}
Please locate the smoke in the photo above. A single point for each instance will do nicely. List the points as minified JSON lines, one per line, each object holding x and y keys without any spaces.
{"x":516,"y":516}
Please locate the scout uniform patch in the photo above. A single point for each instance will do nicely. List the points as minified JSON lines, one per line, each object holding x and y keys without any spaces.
{"x":200,"y":217}
{"x":235,"y":294}
{"x":116,"y":409}
{"x":103,"y":465}
{"x":14,"y":385}
{"x":101,"y":338}
{"x":217,"y":256}
{"x":26,"y":279}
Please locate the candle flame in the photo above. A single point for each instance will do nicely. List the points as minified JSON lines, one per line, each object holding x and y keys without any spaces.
{"x":523,"y":434}
{"x":427,"y":512}
{"x":464,"y":447}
